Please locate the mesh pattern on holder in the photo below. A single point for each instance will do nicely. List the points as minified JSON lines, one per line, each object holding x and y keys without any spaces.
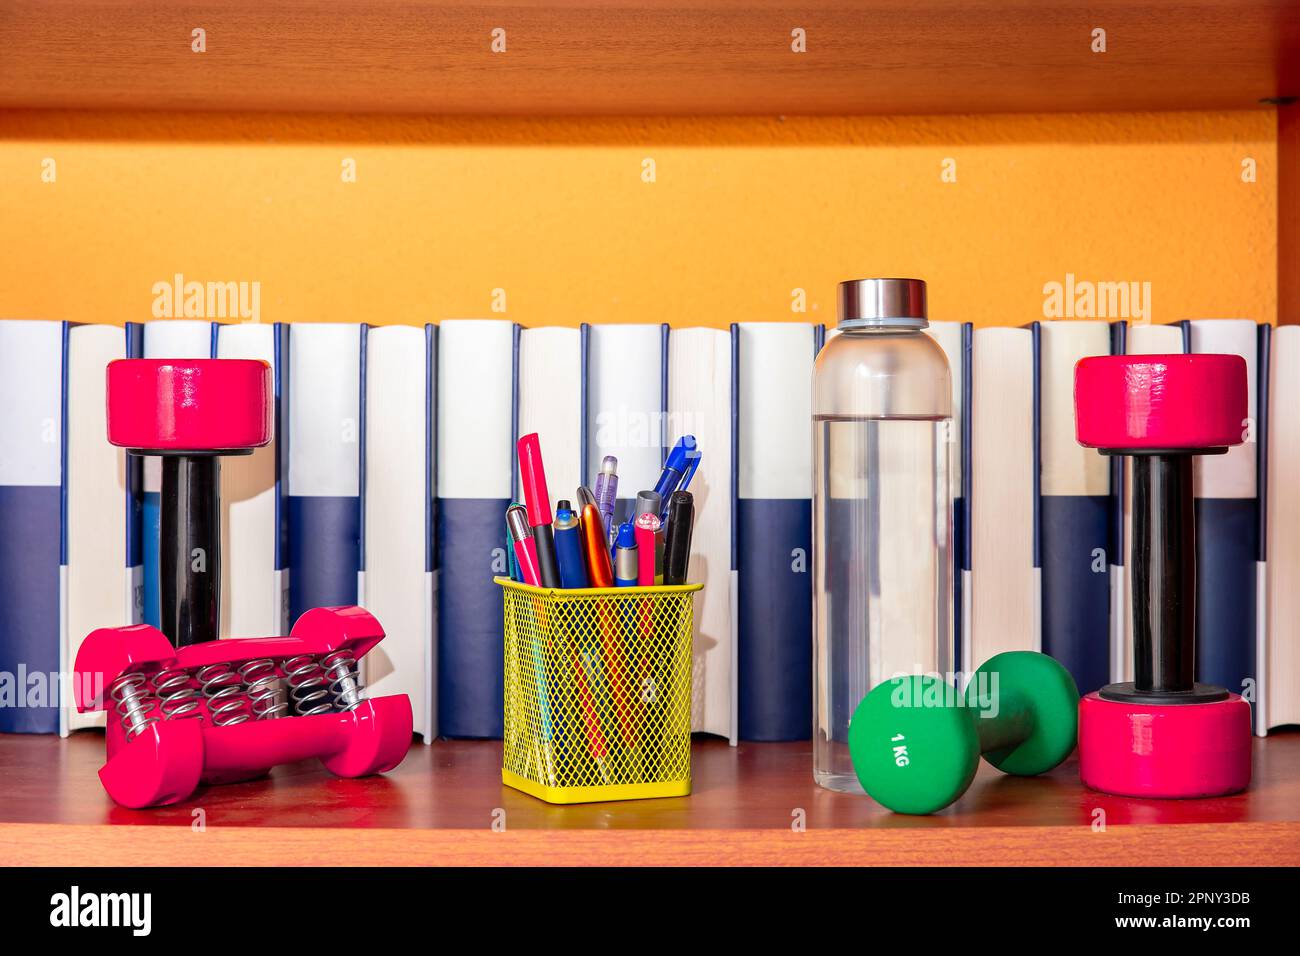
{"x":598,"y":691}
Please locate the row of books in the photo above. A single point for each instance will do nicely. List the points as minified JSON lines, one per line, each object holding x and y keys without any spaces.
{"x":393,"y":464}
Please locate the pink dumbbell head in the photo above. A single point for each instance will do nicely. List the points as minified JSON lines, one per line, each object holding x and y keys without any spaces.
{"x":1163,"y":734}
{"x":1148,"y":403}
{"x":177,"y":405}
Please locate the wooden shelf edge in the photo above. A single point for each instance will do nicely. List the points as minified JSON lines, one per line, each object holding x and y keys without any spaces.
{"x":573,"y":57}
{"x":1256,"y":844}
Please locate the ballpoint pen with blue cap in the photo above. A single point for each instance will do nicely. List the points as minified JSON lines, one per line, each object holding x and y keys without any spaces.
{"x":625,"y":561}
{"x":678,"y":471}
{"x":568,"y":547}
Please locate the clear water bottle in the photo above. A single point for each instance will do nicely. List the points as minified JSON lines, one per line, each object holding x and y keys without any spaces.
{"x":882,"y":509}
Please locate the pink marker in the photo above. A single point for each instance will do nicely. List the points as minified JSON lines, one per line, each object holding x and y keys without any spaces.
{"x":647,"y":530}
{"x":525,"y":545}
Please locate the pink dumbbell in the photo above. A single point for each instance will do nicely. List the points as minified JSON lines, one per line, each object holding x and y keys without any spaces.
{"x":190,"y":412}
{"x":1163,"y":734}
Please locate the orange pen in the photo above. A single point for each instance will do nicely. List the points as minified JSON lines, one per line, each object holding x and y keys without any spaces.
{"x":600,"y":571}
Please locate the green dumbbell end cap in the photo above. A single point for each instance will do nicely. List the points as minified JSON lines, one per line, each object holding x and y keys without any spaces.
{"x":912,"y":749}
{"x":1051,"y":727}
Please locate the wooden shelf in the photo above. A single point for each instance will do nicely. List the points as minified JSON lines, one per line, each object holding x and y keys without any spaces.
{"x":692,"y":57}
{"x":440,"y":805}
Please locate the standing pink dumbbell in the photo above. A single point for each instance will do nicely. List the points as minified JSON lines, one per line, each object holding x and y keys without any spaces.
{"x":190,"y":412}
{"x":1163,"y":734}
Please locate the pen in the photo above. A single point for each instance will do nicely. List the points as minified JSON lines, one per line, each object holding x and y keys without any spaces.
{"x":599,"y":571}
{"x":678,"y":469}
{"x":649,"y":502}
{"x":647,"y":533}
{"x":568,"y":547}
{"x":584,"y":498}
{"x":606,"y":489}
{"x":677,"y":546}
{"x":625,"y":560}
{"x":533,"y":476}
{"x":521,"y":536}
{"x":512,"y":562}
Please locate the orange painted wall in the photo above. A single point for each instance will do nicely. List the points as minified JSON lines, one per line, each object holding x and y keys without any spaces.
{"x":555,"y":212}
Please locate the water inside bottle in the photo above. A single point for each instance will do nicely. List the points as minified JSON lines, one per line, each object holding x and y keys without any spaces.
{"x":882,"y":568}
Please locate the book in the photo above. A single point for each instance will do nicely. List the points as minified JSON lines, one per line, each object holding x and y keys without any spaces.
{"x":1279,"y":678}
{"x":774,"y":528}
{"x":626,"y":405}
{"x":955,"y":340}
{"x":1075,"y":510}
{"x":102,"y":586}
{"x":1227,"y":528}
{"x":552,"y":379}
{"x":324,"y":495}
{"x":1004,"y":574}
{"x":476,"y":474}
{"x":1139,"y":339}
{"x":254,"y":512}
{"x":397,"y":494}
{"x":165,"y":338}
{"x":700,"y":382}
{"x":31,"y":479}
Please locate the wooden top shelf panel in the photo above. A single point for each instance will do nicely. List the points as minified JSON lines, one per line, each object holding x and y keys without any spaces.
{"x":441,"y":804}
{"x":581,"y":57}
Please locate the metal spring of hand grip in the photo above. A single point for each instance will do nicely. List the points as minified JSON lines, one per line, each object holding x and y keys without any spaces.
{"x":176,"y":694}
{"x":227,"y":702}
{"x":262,"y":684}
{"x":307,"y":686}
{"x":341,"y":671}
{"x":131,"y":694}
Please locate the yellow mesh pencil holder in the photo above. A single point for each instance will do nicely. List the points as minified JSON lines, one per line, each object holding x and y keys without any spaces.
{"x":598,"y":691}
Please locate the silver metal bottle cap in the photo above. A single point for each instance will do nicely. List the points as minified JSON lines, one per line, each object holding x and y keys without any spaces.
{"x":882,"y":304}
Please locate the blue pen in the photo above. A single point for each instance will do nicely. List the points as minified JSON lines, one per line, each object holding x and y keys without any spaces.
{"x":625,"y":559}
{"x":679,"y":469}
{"x":568,"y":547}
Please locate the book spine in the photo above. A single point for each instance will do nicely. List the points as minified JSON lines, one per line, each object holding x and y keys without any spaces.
{"x":1227,"y":531}
{"x":324,"y":465}
{"x":164,"y":338}
{"x":1073,"y":521}
{"x":134,"y":503}
{"x":32,"y":363}
{"x":430,"y":730}
{"x":1116,"y":545}
{"x":477,"y":385}
{"x":773,"y":530}
{"x":584,"y":434}
{"x":962,"y":540}
{"x":280,"y":379}
{"x":1263,"y":366}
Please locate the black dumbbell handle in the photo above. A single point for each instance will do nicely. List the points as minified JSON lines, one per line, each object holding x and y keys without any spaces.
{"x":1164,"y":574}
{"x":1163,"y":563}
{"x":189,"y":553}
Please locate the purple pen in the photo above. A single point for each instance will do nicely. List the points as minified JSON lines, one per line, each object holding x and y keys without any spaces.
{"x":606,"y":491}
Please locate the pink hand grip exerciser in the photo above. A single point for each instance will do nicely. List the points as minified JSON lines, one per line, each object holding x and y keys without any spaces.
{"x":230,"y":710}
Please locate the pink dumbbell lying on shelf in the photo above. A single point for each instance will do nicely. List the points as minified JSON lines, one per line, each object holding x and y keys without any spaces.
{"x":230,"y":710}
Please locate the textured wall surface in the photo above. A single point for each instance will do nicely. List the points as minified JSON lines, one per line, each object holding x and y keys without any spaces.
{"x":556,"y":213}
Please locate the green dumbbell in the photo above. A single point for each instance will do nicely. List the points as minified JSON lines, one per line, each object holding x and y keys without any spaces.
{"x":915,"y":741}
